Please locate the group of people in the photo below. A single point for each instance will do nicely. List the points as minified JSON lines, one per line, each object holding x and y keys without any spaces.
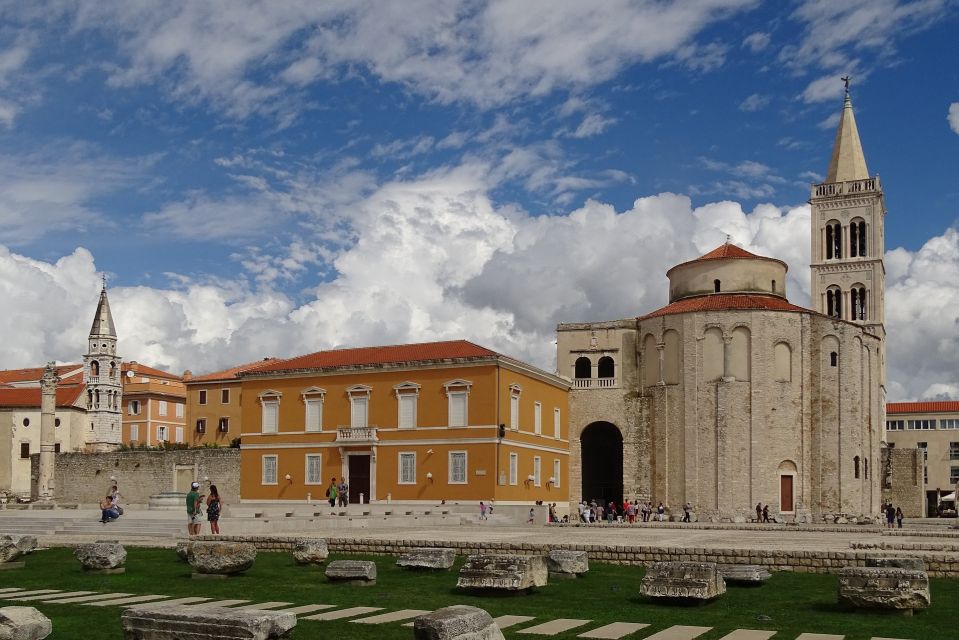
{"x":629,"y":511}
{"x":338,"y":492}
{"x":194,"y":509}
{"x":762,"y":513}
{"x":893,"y":515}
{"x":110,"y":508}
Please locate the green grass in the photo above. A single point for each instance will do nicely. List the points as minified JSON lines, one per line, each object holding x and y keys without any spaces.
{"x":794,"y":602}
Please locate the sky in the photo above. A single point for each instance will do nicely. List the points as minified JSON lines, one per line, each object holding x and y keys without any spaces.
{"x":275,"y":178}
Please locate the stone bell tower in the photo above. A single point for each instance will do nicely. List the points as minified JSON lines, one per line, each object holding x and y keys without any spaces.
{"x":101,"y":374}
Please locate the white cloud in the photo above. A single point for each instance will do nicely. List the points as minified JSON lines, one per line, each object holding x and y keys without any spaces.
{"x":954,"y":116}
{"x":830,"y":122}
{"x":757,"y":41}
{"x":754,"y":102}
{"x":592,"y":125}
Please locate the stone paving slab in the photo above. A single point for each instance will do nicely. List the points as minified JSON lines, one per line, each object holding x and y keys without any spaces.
{"x":352,"y":612}
{"x":307,"y":608}
{"x":262,"y":606}
{"x":553,"y":627}
{"x":81,"y":599}
{"x":395,"y":616}
{"x":163,"y":603}
{"x":21,"y":593}
{"x":48,"y":596}
{"x":819,"y":636}
{"x":614,"y":631}
{"x":508,"y":621}
{"x":680,"y":632}
{"x":749,"y":634}
{"x":127,"y":601}
{"x":9,"y":589}
{"x":217,"y":603}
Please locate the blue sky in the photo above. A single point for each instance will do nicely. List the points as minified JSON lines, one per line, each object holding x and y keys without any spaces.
{"x":262,"y":178}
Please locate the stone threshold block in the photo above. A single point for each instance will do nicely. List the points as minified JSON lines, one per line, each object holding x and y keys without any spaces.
{"x":890,"y":589}
{"x":507,"y":573}
{"x":744,"y":574}
{"x":427,"y":558}
{"x":392,"y":616}
{"x":554,"y":627}
{"x":698,"y":581}
{"x":352,"y":572}
{"x":188,"y":623}
{"x":679,"y":632}
{"x":567,"y":564}
{"x":614,"y":630}
{"x":459,"y":622}
{"x":24,"y":623}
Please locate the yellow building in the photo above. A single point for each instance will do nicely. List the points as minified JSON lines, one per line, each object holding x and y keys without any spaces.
{"x":409,"y":423}
{"x":213,"y":404}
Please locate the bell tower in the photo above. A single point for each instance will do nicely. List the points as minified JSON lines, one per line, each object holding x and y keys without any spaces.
{"x":848,"y":234}
{"x":101,"y":374}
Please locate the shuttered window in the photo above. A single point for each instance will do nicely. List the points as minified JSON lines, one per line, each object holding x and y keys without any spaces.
{"x":537,"y":471}
{"x":407,"y":468}
{"x":314,"y":415}
{"x":457,"y":417}
{"x":457,"y":473}
{"x":538,"y":418}
{"x":359,"y":412}
{"x":556,"y":473}
{"x":271,"y":410}
{"x":269,"y":469}
{"x":514,"y":412}
{"x":556,"y":424}
{"x":134,"y":432}
{"x":513,"y":468}
{"x":179,"y":434}
{"x":407,"y":410}
{"x":314,"y":468}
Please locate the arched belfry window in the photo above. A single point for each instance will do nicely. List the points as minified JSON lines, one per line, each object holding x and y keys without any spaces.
{"x":717,"y":286}
{"x":858,"y":295}
{"x":583,"y":368}
{"x":606,"y":369}
{"x":833,"y":240}
{"x":94,"y":368}
{"x":833,"y":359}
{"x":834,"y":303}
{"x":857,"y":238}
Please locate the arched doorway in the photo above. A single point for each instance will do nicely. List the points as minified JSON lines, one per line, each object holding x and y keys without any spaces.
{"x":601,"y":444}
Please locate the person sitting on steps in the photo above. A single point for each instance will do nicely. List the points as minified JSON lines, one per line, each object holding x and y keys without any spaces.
{"x":108,"y":512}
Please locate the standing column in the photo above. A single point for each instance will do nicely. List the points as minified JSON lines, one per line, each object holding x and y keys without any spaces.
{"x":48,"y":410}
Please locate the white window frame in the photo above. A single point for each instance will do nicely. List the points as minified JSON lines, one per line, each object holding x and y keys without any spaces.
{"x":269,"y":398}
{"x":264,"y":480}
{"x":515,"y":391}
{"x":306,"y":468}
{"x":133,"y":408}
{"x":227,"y":393}
{"x":537,"y":471}
{"x":409,"y":392}
{"x":557,"y":472}
{"x":161,"y":407}
{"x":538,"y":418}
{"x":457,"y":390}
{"x":466,"y":472}
{"x":134,"y":432}
{"x":179,"y":434}
{"x":359,"y":392}
{"x":179,"y":409}
{"x":557,"y":423}
{"x":399,"y":467}
{"x":162,"y":433}
{"x":514,"y":469}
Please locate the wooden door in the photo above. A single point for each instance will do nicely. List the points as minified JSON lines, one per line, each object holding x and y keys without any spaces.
{"x":786,"y":494}
{"x":359,"y":478}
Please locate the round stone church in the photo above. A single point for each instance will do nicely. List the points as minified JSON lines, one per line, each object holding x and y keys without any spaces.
{"x":730,"y":395}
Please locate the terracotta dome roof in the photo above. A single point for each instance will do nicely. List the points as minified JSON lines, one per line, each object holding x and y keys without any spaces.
{"x":727,"y":302}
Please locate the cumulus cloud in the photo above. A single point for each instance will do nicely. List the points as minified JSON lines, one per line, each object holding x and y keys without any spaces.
{"x":953,"y":116}
{"x":754,"y":102}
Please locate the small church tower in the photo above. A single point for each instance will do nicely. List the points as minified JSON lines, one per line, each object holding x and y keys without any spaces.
{"x":848,"y":234}
{"x":101,"y":373}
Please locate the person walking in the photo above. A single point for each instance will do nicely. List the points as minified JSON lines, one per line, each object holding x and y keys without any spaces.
{"x":331,"y":493}
{"x":660,"y":512}
{"x":193,"y":509}
{"x":759,"y":512}
{"x":890,"y":516}
{"x":765,"y":513}
{"x":482,"y":510}
{"x":532,"y":516}
{"x":343,"y":493}
{"x":899,"y":517}
{"x":213,"y":510}
{"x":687,"y":509}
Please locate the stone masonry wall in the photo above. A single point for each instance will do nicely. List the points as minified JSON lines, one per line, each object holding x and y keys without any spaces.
{"x":85,"y":477}
{"x":902,"y":472}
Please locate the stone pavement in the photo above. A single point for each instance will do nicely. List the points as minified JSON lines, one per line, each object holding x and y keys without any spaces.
{"x":361,"y":615}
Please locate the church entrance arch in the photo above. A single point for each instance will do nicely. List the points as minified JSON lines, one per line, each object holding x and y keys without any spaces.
{"x":601,"y":444}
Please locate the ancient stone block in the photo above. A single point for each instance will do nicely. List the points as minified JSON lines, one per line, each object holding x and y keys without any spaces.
{"x":459,"y":622}
{"x":503,"y":572}
{"x":688,"y":580}
{"x":916,"y":564}
{"x":884,"y":588}
{"x":357,"y":572}
{"x":23,"y":623}
{"x":178,"y":622}
{"x":183,"y":549}
{"x":562,"y":563}
{"x":26,"y":544}
{"x":310,"y":551}
{"x":101,"y":556}
{"x":9,"y":551}
{"x":221,"y":558}
{"x":746,"y":574}
{"x":427,"y":558}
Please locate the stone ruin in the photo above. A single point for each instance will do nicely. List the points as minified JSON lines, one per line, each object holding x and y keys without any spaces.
{"x":220,"y":559}
{"x":890,"y":588}
{"x":24,"y":623}
{"x":355,"y":572}
{"x":101,"y":557}
{"x":567,"y":564}
{"x":178,"y":622}
{"x":683,"y":580}
{"x":511,"y":573}
{"x":310,"y":551}
{"x":427,"y":558}
{"x":459,"y":622}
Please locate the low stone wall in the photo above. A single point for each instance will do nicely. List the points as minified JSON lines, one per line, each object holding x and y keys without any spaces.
{"x":777,"y":528}
{"x":85,"y":477}
{"x":940,"y":565}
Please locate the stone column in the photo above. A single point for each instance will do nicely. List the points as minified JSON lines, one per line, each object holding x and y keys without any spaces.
{"x":48,"y":410}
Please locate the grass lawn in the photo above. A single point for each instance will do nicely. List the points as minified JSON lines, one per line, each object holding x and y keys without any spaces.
{"x":794,"y":603}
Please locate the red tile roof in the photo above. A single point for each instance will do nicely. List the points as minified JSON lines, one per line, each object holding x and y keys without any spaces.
{"x":426,"y":351}
{"x":34,"y":374}
{"x":144,"y":370}
{"x":727,"y":250}
{"x":29,"y":397}
{"x":948,"y":406}
{"x":726,"y":302}
{"x":232,"y":373}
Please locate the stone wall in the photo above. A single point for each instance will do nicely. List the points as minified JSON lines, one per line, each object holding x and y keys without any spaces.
{"x":85,"y":477}
{"x":902,"y":473}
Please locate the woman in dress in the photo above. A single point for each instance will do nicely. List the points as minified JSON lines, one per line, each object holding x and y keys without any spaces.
{"x":213,"y":510}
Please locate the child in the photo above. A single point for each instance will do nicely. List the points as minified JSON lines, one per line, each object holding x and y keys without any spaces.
{"x":532,"y":516}
{"x":482,"y":510}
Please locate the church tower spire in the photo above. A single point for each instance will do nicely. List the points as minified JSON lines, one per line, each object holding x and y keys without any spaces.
{"x":101,"y":373}
{"x":848,"y":161}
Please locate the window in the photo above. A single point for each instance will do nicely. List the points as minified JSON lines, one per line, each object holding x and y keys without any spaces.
{"x":359,"y":412}
{"x":201,"y":425}
{"x":179,"y":409}
{"x":557,"y":468}
{"x":26,"y":422}
{"x":56,"y":448}
{"x":949,"y":423}
{"x":457,"y":473}
{"x":56,"y":422}
{"x":557,"y":424}
{"x":407,"y":411}
{"x":537,"y":418}
{"x":407,"y":468}
{"x":457,"y":394}
{"x":834,"y":303}
{"x":314,"y":414}
{"x":717,"y":286}
{"x":223,"y":425}
{"x":895,"y":425}
{"x":314,"y":468}
{"x":224,"y":396}
{"x":134,"y":408}
{"x":857,"y":238}
{"x":134,"y":432}
{"x":271,"y":410}
{"x":855,"y":462}
{"x":179,"y":434}
{"x":833,"y":240}
{"x":865,"y":468}
{"x":858,"y":295}
{"x":161,"y":407}
{"x":202,"y":398}
{"x":583,"y":368}
{"x":24,"y":450}
{"x":833,"y":359}
{"x":537,"y":471}
{"x":514,"y":392}
{"x":924,"y":446}
{"x":161,"y":433}
{"x":954,"y":450}
{"x":269,"y":469}
{"x":513,"y":468}
{"x":953,"y":475}
{"x":920,"y":425}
